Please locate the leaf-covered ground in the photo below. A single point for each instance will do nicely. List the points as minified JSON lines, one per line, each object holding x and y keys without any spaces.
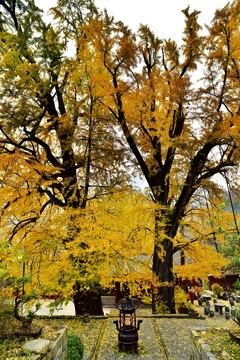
{"x":89,"y":332}
{"x":100,"y":337}
{"x":221,"y":344}
{"x":175,"y":333}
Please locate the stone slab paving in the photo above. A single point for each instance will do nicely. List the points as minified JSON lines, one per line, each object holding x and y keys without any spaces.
{"x":159,"y":338}
{"x":149,"y":344}
{"x":175,"y":333}
{"x":90,"y":341}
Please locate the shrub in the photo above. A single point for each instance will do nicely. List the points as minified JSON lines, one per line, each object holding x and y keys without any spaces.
{"x":216,"y":289}
{"x":74,"y":347}
{"x":236,"y":285}
{"x":198,"y":290}
{"x":160,"y":306}
{"x":181,"y":301}
{"x":238,"y":316}
{"x":6,"y":311}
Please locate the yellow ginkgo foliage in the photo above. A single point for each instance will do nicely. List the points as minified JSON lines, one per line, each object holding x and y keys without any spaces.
{"x":75,"y":128}
{"x":114,"y":242}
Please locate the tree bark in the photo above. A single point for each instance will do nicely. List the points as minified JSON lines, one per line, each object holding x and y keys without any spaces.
{"x":162,"y":268}
{"x":87,"y":301}
{"x":163,"y":264}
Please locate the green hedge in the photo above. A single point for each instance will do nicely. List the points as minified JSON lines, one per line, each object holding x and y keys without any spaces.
{"x":74,"y":347}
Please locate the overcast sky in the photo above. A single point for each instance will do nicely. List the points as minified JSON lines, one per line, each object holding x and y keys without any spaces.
{"x":163,"y":16}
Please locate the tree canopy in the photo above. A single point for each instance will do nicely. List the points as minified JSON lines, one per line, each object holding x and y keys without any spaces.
{"x":77,"y":126}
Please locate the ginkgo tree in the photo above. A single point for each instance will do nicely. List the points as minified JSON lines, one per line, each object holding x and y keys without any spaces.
{"x":115,"y":243}
{"x":181,"y":133}
{"x":201,"y":238}
{"x":75,"y":127}
{"x":57,"y":147}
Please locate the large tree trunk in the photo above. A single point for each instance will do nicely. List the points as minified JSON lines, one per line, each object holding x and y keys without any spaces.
{"x":163,"y":265}
{"x":87,"y":301}
{"x":162,"y":268}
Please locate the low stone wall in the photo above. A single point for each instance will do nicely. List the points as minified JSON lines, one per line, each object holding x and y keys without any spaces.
{"x":199,"y":349}
{"x":42,"y":349}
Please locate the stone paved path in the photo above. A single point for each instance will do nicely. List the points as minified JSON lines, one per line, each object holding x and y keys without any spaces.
{"x":175,"y":333}
{"x":149,"y":344}
{"x":159,"y":338}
